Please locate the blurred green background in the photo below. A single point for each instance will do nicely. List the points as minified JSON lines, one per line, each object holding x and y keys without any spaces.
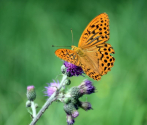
{"x":27,"y":31}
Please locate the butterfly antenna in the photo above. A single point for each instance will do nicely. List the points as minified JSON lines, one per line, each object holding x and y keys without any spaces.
{"x":72,"y":37}
{"x":60,"y":46}
{"x":66,"y":46}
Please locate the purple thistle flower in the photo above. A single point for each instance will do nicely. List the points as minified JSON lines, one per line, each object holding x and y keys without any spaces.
{"x":85,"y":105}
{"x":86,"y":87}
{"x":51,"y":88}
{"x":30,"y":87}
{"x":72,"y":69}
{"x":31,"y":94}
{"x":75,"y":114}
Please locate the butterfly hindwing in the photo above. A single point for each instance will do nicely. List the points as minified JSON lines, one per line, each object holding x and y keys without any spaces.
{"x":101,"y":58}
{"x":90,"y":72}
{"x":96,"y":32}
{"x":89,"y":67}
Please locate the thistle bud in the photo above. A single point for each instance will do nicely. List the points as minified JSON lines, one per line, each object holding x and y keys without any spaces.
{"x":31,"y":94}
{"x":75,"y":92}
{"x":28,"y":103}
{"x":63,"y":69}
{"x":70,"y":119}
{"x":70,"y":109}
{"x":85,"y":105}
{"x":75,"y":114}
{"x":67,"y":82}
{"x":68,"y":74}
{"x":86,"y":87}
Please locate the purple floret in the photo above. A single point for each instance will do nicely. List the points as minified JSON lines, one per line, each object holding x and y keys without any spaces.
{"x":86,"y":87}
{"x":51,"y":88}
{"x":73,"y":69}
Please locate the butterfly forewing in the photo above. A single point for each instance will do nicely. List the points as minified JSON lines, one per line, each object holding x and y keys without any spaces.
{"x":96,"y":32}
{"x":68,"y":55}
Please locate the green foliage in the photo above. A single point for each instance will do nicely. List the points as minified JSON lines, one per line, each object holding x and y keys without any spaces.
{"x":28,"y":29}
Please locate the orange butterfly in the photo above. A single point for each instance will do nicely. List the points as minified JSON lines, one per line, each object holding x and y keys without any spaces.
{"x":92,"y":53}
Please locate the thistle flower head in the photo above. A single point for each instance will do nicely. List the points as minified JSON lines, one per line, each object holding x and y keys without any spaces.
{"x":71,"y":109}
{"x":51,"y":88}
{"x":75,"y":92}
{"x":85,"y":105}
{"x":70,"y":119}
{"x":86,"y":87}
{"x":75,"y":114}
{"x":73,"y":70}
{"x":31,"y":94}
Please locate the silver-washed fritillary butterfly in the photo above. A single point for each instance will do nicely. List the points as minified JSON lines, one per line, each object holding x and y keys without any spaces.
{"x":92,"y":53}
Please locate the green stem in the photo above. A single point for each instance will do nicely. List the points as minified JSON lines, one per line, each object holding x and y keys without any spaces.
{"x":33,"y":109}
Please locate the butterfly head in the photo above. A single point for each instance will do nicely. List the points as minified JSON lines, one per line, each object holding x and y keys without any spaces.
{"x":73,"y":47}
{"x":78,"y":50}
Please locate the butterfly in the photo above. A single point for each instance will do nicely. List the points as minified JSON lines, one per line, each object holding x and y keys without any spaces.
{"x":93,"y":54}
